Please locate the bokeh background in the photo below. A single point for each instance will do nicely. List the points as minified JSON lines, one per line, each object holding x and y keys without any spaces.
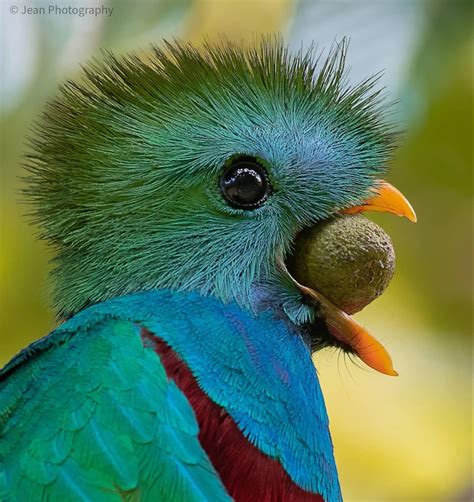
{"x":396,"y":439}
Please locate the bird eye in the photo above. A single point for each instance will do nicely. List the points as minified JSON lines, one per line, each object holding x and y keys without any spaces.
{"x":244,"y":183}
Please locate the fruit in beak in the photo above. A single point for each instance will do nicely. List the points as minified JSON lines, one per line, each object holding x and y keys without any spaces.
{"x":348,"y":259}
{"x":343,"y":264}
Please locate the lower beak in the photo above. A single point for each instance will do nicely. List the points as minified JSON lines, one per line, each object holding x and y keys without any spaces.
{"x":346,"y":330}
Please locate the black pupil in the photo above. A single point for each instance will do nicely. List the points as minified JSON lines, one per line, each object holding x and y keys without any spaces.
{"x":244,"y":184}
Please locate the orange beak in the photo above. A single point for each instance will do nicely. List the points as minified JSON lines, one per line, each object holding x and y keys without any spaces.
{"x":346,"y":330}
{"x":386,"y":199}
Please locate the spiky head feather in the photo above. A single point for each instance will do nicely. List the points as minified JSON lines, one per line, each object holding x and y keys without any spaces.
{"x":125,"y":165}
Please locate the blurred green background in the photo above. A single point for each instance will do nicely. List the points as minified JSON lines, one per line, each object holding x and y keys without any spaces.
{"x":408,"y":438}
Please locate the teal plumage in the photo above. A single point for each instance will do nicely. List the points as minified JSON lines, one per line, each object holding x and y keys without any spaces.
{"x":92,"y":416}
{"x":171,"y":189}
{"x":104,"y":418}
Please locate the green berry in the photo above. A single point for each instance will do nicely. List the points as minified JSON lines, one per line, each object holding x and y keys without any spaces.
{"x":348,"y":259}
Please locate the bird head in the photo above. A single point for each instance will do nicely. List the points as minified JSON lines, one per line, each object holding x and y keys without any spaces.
{"x":195,"y":169}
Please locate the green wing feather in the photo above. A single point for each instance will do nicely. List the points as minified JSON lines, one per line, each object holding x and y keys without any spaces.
{"x":94,"y":417}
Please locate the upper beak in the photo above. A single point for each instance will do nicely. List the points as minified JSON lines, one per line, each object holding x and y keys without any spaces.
{"x":387,"y":199}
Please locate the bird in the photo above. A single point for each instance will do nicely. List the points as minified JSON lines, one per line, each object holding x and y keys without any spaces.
{"x":170,"y":186}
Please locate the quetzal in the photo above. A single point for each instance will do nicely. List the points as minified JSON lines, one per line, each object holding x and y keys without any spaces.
{"x":171,"y":188}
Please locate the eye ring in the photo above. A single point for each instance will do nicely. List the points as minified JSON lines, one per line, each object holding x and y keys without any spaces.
{"x":244,"y":184}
